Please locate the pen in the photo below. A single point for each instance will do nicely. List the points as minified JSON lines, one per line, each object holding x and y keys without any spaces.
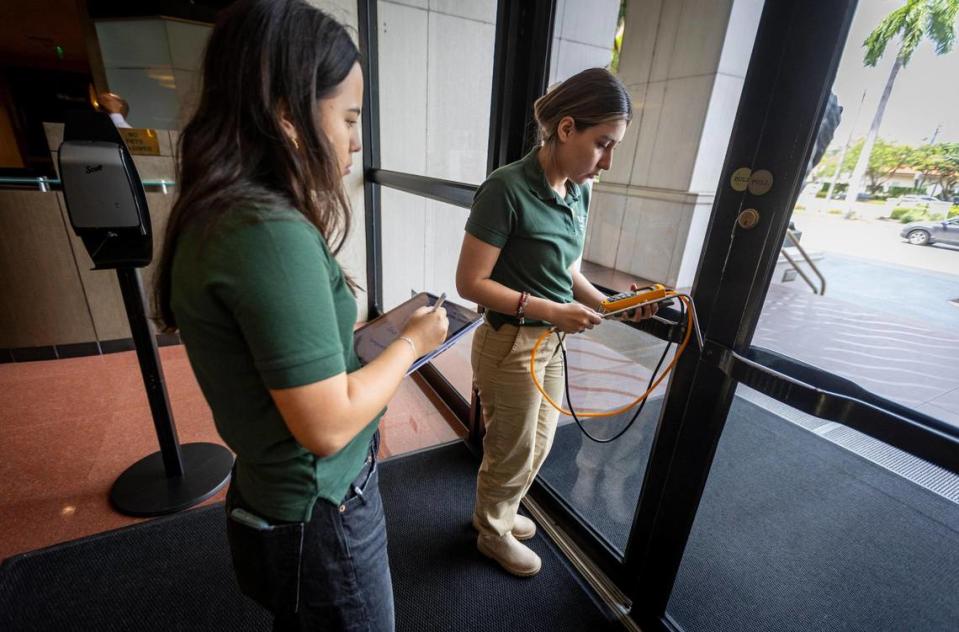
{"x":439,"y":301}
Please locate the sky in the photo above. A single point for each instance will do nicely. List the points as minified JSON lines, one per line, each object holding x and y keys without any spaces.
{"x":925,"y":94}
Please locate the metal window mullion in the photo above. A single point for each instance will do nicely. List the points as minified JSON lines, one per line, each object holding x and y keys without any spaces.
{"x":368,"y":36}
{"x":524,"y":37}
{"x":447,"y":191}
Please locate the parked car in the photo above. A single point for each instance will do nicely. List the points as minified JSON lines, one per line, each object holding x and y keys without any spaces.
{"x":916,"y":200}
{"x":932,"y":232}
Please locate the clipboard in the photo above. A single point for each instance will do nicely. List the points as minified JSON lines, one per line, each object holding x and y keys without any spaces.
{"x":370,"y":339}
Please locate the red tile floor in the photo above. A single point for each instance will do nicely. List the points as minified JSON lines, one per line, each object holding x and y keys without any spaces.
{"x":69,"y":427}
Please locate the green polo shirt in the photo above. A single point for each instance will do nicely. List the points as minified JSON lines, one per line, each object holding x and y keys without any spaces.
{"x":539,"y":234}
{"x":261,"y":303}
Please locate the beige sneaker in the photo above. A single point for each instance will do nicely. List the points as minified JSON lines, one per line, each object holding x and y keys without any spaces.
{"x":514,"y":557}
{"x":523,"y":527}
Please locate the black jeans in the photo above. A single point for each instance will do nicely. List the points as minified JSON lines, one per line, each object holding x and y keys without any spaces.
{"x":331,"y":573}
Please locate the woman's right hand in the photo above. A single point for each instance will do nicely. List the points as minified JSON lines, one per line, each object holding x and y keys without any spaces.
{"x":427,"y":328}
{"x":574,"y":318}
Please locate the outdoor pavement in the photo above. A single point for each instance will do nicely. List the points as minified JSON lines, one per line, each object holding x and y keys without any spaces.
{"x":892,"y":352}
{"x":876,"y":240}
{"x":904,"y":359}
{"x":888,"y":320}
{"x":929,"y":299}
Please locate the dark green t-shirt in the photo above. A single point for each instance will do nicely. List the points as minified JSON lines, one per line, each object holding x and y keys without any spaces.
{"x":261,"y":303}
{"x":539,"y":234}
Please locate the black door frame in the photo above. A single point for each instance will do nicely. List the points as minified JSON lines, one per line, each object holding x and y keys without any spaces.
{"x":791,"y":71}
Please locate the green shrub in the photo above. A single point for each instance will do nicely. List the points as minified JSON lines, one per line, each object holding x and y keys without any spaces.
{"x":896,"y":191}
{"x":906,"y":214}
{"x":954,"y":211}
{"x":900,"y":211}
{"x":915,"y":214}
{"x":838,"y":192}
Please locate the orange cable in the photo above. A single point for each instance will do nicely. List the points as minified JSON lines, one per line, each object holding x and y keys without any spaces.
{"x":610,"y":413}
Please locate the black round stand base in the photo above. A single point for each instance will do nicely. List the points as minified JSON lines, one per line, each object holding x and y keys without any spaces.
{"x":145,"y":490}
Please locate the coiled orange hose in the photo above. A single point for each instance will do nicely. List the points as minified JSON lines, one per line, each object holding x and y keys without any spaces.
{"x":690,"y":318}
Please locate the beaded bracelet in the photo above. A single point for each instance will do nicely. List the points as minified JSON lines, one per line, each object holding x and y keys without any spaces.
{"x":521,"y":307}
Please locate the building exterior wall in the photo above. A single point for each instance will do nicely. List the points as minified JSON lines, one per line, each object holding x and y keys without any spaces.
{"x":684,"y":63}
{"x":582,"y":37}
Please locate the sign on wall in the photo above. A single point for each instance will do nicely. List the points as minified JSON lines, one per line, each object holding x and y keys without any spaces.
{"x":141,"y":142}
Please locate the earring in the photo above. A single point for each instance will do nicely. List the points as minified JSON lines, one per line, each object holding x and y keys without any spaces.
{"x":295,"y":144}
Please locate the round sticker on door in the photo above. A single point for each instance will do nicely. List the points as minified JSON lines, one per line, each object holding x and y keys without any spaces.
{"x":740,"y":178}
{"x":760,"y":182}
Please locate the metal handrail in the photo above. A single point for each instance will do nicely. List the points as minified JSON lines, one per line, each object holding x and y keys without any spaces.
{"x":796,"y":267}
{"x":46,"y":185}
{"x":834,"y":398}
{"x":802,"y":251}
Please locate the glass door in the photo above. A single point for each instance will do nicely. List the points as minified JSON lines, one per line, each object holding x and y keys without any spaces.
{"x":804,"y":471}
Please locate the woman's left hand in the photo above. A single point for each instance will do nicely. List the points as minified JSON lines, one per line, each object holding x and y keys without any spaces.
{"x":640,"y":313}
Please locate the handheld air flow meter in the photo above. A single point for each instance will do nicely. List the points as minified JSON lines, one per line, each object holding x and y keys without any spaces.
{"x":625,"y":301}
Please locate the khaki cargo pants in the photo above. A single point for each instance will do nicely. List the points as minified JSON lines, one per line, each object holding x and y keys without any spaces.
{"x":520,"y":423}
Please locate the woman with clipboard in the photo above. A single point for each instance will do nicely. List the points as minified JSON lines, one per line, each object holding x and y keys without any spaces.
{"x":524,"y":237}
{"x":249,"y":277}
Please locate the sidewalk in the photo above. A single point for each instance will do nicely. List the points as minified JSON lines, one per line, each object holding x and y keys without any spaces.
{"x":861,"y":329}
{"x":894,"y":357}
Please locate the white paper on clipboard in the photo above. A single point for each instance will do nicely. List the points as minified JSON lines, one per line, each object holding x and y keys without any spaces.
{"x":370,"y":339}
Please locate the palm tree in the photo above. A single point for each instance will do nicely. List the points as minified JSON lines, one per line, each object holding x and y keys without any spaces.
{"x":913,"y":21}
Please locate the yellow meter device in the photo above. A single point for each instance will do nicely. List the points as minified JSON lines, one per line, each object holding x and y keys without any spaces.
{"x":629,"y":300}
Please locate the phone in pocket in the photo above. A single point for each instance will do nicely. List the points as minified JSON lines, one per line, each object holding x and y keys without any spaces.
{"x":250,"y":519}
{"x":266,"y":559}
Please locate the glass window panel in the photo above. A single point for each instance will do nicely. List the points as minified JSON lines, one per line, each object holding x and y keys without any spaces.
{"x":436,"y":72}
{"x":608,"y":368}
{"x":650,"y":210}
{"x":421,"y":244}
{"x":455,"y":366}
{"x":888,"y":319}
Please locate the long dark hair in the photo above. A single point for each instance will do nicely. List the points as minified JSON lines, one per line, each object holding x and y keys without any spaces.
{"x":590,"y":97}
{"x":263,"y":58}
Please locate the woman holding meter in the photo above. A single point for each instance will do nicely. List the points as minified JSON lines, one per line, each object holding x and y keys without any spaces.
{"x":248,"y":274}
{"x":519,"y":260}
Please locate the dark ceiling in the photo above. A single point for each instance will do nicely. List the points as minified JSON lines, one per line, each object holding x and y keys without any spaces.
{"x":31,"y":31}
